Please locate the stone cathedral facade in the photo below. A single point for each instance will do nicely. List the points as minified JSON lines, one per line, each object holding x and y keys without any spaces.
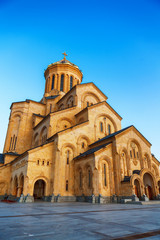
{"x":70,"y":147}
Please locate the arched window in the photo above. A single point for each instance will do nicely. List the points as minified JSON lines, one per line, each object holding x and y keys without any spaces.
{"x":71,"y":82}
{"x":105,"y":179}
{"x":134,"y":152}
{"x":67,"y":185}
{"x":101,"y":126}
{"x":109,"y":129}
{"x":42,"y":162}
{"x":67,"y":157}
{"x":50,"y":108}
{"x":53,"y":82}
{"x":62,"y":82}
{"x":137,"y":155}
{"x":15,"y":143}
{"x":10,"y":144}
{"x":82,"y":144}
{"x":80,"y":179}
{"x":37,"y":162}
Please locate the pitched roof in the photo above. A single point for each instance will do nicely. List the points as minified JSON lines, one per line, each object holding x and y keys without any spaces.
{"x":51,"y":97}
{"x":91,"y":151}
{"x":111,"y":135}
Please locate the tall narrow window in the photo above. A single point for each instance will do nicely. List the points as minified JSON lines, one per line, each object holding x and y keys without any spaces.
{"x":131,"y":153}
{"x":53,"y":82}
{"x":71,"y":82}
{"x":67,"y":157}
{"x":67,"y":185}
{"x":87,"y":104}
{"x":105,"y":179}
{"x":10,"y":144}
{"x":82,"y":144}
{"x":134,"y":153}
{"x":137,"y":155}
{"x":101,"y":126}
{"x":109,"y":129}
{"x":15,"y":143}
{"x":89,"y":178}
{"x":62,"y":82}
{"x":50,"y":108}
{"x":80,"y":179}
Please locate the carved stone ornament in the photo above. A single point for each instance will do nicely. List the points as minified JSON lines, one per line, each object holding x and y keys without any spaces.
{"x":135,"y":162}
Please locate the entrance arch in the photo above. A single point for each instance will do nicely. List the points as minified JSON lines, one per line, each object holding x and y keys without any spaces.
{"x":15,"y":186}
{"x":137,"y":188}
{"x":21,"y":185}
{"x":149,"y":186}
{"x":159,"y":187}
{"x":39,"y":189}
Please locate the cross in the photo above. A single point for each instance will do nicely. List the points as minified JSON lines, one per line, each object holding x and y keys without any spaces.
{"x":64,"y":55}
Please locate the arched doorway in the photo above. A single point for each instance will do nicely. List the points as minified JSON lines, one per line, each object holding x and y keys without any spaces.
{"x":159,"y":186}
{"x":39,"y":189}
{"x":137,"y":188}
{"x":21,"y":185}
{"x":149,"y":186}
{"x":15,"y":187}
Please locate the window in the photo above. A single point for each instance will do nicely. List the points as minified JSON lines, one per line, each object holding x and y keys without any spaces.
{"x":80,"y":179}
{"x":87,"y":104}
{"x":50,"y":108}
{"x":10,"y":144}
{"x":42,"y":162}
{"x":101,"y":126}
{"x":37,"y":162}
{"x":62,"y":82}
{"x":137,"y":155}
{"x":105,"y":180}
{"x":134,"y":153}
{"x":89,"y":178}
{"x":53,"y":82}
{"x":67,"y":185}
{"x":71,"y":82}
{"x":131,"y":153}
{"x":15,"y":143}
{"x":67,"y":157}
{"x":83,"y":145}
{"x":48,"y":163}
{"x":109,"y":129}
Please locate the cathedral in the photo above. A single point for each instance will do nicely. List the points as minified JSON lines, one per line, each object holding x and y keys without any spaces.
{"x":70,"y":147}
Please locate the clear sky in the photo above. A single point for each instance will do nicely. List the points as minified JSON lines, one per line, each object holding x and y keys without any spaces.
{"x":115,"y":43}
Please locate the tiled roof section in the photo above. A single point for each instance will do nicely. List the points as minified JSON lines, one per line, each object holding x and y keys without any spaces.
{"x":1,"y":158}
{"x":38,"y":115}
{"x":126,"y":179}
{"x":91,"y":151}
{"x":51,"y":97}
{"x":136,"y":172}
{"x":111,"y":135}
{"x":12,"y":153}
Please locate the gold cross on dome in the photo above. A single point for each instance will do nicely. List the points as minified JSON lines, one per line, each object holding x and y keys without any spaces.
{"x":64,"y":55}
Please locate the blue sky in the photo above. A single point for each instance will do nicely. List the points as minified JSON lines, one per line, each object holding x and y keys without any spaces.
{"x":115,"y":43}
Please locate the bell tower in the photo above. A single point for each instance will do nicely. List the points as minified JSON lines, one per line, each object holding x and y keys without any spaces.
{"x":61,"y":76}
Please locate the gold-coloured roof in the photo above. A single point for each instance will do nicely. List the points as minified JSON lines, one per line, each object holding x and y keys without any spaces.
{"x":64,"y":61}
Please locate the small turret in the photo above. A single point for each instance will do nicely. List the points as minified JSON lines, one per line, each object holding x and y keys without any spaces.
{"x":61,"y":76}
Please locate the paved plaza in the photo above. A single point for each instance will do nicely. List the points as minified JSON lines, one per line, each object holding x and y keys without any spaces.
{"x":43,"y":220}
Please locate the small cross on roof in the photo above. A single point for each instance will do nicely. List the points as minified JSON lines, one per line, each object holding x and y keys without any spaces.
{"x":64,"y":55}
